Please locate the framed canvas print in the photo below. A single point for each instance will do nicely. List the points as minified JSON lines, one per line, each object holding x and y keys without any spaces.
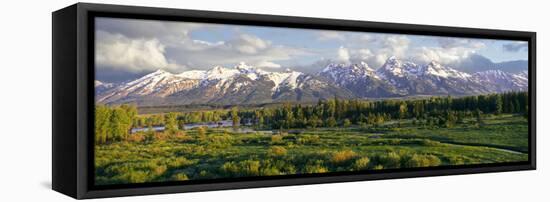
{"x":154,"y":100}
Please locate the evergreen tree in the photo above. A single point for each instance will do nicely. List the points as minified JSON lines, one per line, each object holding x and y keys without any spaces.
{"x":498,"y":104}
{"x":235,"y":117}
{"x":346,"y":123}
{"x":171,"y":125}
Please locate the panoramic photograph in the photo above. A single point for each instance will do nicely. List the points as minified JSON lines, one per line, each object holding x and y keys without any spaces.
{"x":184,"y":101}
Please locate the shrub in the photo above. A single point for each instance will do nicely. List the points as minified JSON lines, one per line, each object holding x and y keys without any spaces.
{"x":361,"y":163}
{"x":342,"y":156}
{"x":270,"y":171}
{"x":315,"y":167}
{"x":137,"y":137}
{"x":422,"y":161}
{"x":309,"y":139}
{"x":178,"y":162}
{"x":230,"y":168}
{"x":243,"y":168}
{"x":346,"y":123}
{"x":390,"y":160}
{"x":457,"y":160}
{"x":136,"y":176}
{"x":276,"y":139}
{"x":180,"y":177}
{"x":378,"y":167}
{"x":160,"y":136}
{"x":276,"y":151}
{"x":201,"y":131}
{"x":181,"y":136}
{"x":203,"y":173}
{"x":250,"y":167}
{"x":159,"y":170}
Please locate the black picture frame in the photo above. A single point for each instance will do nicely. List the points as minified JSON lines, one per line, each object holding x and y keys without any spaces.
{"x":73,"y":99}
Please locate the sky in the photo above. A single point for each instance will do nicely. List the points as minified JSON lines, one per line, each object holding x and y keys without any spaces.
{"x":127,"y":48}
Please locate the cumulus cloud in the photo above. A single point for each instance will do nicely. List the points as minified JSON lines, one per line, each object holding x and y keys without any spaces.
{"x":343,"y":55}
{"x":252,"y":49}
{"x":145,"y":45}
{"x":375,"y":49}
{"x":267,"y":64}
{"x":449,"y":50}
{"x":330,"y":35}
{"x":249,"y":44}
{"x":515,"y":46}
{"x":170,"y":33}
{"x":134,"y":55}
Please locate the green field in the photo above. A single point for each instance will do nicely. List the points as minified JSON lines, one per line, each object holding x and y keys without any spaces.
{"x":212,"y":153}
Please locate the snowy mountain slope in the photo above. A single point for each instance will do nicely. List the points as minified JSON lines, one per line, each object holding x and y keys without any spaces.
{"x":244,"y":84}
{"x":241,"y":84}
{"x":499,"y":81}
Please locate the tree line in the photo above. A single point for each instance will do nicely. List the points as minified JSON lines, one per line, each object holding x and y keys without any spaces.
{"x":114,"y":123}
{"x":434,"y":110}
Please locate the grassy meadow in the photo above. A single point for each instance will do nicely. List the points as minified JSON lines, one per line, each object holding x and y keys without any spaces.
{"x":212,"y":153}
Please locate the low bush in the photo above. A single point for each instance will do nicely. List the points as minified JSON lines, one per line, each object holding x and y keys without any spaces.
{"x":315,"y":167}
{"x":309,"y":139}
{"x":277,"y":139}
{"x":137,"y":137}
{"x":180,"y":177}
{"x":342,"y":157}
{"x":417,"y":160}
{"x":361,"y":163}
{"x":390,"y":160}
{"x":276,"y":151}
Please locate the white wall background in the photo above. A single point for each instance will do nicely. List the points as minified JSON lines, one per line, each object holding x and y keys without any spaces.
{"x":25,"y":102}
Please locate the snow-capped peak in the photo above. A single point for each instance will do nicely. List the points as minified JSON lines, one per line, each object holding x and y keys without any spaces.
{"x":244,"y":67}
{"x":392,"y":66}
{"x":392,"y":58}
{"x":287,"y":78}
{"x":365,"y":65}
{"x":193,"y":74}
{"x":436,"y":69}
{"x":397,"y":68}
{"x":362,"y":66}
{"x":97,"y":83}
{"x":219,"y":72}
{"x":156,"y":76}
{"x":343,"y":73}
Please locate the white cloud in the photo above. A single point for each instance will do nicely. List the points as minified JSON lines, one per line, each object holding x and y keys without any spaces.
{"x":267,"y":64}
{"x":143,"y":45}
{"x":450,"y":50}
{"x":244,"y":47}
{"x":330,"y":35}
{"x":219,"y":43}
{"x":343,"y":55}
{"x":168,"y":32}
{"x":135,"y":55}
{"x":374,"y":49}
{"x":364,"y":54}
{"x":249,"y":44}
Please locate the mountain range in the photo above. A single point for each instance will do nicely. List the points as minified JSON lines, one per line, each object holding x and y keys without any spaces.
{"x":244,"y":84}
